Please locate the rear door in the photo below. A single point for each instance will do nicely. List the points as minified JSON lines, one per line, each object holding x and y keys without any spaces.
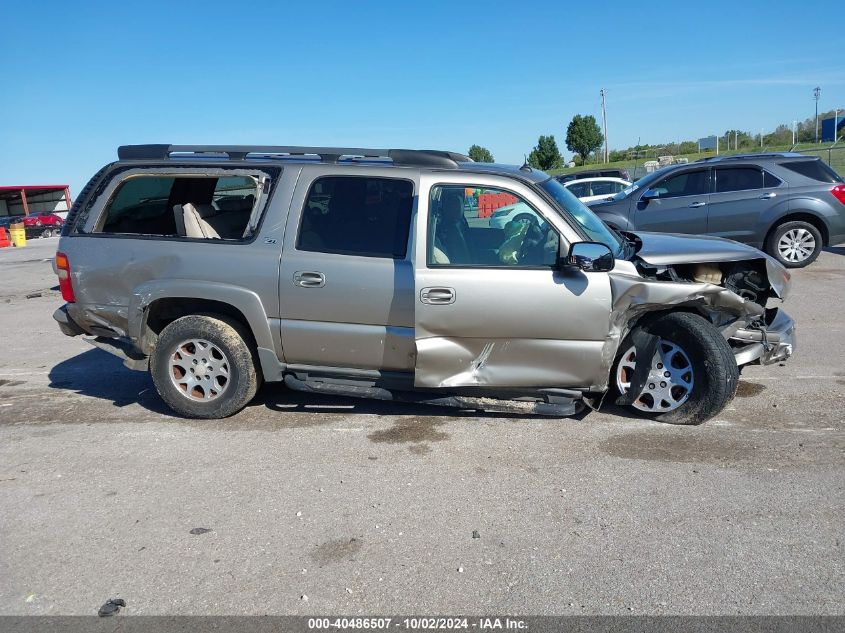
{"x":681,"y":206}
{"x":741,"y":195}
{"x":346,"y":281}
{"x":504,"y":316}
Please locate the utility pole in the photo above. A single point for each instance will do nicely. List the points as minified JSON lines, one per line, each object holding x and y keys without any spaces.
{"x":604,"y":121}
{"x":816,"y":92}
{"x":794,"y":123}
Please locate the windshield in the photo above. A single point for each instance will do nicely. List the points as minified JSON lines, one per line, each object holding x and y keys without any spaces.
{"x":596,"y":230}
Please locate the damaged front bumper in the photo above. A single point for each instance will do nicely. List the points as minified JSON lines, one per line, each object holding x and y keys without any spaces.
{"x":765,"y":343}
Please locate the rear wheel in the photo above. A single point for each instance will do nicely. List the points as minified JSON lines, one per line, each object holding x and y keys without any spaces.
{"x":692,"y":373}
{"x":203,"y":367}
{"x":47,"y":232}
{"x":795,"y":244}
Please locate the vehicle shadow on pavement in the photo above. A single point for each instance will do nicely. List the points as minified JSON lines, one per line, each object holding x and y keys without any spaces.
{"x":835,"y":250}
{"x":98,"y":374}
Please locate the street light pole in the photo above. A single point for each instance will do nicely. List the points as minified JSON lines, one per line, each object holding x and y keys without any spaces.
{"x":816,"y":92}
{"x":604,"y":121}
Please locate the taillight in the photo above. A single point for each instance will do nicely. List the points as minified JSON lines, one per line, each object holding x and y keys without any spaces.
{"x":839,"y":193}
{"x":65,"y":283}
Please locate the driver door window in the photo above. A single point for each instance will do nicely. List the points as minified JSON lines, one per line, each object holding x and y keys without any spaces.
{"x":688,"y":183}
{"x":472,"y":227}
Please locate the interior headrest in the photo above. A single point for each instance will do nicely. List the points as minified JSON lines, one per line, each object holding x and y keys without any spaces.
{"x":203,"y":210}
{"x":452,"y":207}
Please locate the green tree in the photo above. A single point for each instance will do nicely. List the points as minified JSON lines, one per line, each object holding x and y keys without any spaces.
{"x":545,"y":154}
{"x":583,"y":135}
{"x":480,"y":154}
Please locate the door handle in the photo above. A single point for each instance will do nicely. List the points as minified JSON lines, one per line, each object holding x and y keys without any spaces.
{"x":437,"y":296}
{"x":695,"y":205}
{"x":768,"y":196}
{"x":309,"y":279}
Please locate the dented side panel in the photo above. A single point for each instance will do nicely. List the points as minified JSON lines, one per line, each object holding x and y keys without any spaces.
{"x":508,"y":327}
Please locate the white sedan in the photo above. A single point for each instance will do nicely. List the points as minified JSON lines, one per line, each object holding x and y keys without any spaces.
{"x":519,"y":211}
{"x":589,"y":190}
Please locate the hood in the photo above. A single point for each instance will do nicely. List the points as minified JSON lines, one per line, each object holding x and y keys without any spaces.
{"x":663,"y":249}
{"x":666,"y":249}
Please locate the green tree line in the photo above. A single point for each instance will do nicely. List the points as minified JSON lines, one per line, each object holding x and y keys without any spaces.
{"x":584,"y":139}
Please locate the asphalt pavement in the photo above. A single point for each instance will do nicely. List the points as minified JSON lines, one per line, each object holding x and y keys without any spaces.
{"x":307,"y":504}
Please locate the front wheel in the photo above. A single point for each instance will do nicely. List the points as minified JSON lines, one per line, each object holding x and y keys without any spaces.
{"x":692,"y":373}
{"x":203,"y":367}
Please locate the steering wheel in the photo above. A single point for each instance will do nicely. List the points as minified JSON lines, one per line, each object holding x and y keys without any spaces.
{"x":535,"y":237}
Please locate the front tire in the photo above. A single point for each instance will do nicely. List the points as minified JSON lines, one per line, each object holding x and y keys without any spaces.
{"x":692,"y":375}
{"x":795,"y":244}
{"x":203,"y":367}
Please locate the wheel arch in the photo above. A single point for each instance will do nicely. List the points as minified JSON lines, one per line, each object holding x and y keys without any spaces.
{"x":799,"y":216}
{"x":156,"y":304}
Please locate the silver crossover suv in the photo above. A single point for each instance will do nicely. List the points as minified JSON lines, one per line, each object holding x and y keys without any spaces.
{"x":377,"y":273}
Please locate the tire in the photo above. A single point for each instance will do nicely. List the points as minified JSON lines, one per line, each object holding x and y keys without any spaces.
{"x":705,"y":361}
{"x":229,"y":377}
{"x":785,"y":250}
{"x":48,"y":232}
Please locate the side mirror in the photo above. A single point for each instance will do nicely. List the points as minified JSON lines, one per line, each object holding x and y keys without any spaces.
{"x":591,"y":257}
{"x":650,"y":194}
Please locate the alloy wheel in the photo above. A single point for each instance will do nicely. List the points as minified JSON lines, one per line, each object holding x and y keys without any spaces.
{"x":200,"y":370}
{"x":796,"y":245}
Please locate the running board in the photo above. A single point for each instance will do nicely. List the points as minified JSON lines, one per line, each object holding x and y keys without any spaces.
{"x":561,"y":407}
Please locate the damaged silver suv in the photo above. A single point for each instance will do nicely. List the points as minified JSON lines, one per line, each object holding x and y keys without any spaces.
{"x":378,"y":273}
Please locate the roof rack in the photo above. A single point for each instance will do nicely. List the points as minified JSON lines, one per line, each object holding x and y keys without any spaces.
{"x":713,"y":159}
{"x":400,"y":157}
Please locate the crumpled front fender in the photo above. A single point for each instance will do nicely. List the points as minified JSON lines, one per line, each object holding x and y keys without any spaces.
{"x":634,"y":297}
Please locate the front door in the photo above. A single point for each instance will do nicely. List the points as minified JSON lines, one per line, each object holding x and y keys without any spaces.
{"x":491,"y":307}
{"x":681,"y":205}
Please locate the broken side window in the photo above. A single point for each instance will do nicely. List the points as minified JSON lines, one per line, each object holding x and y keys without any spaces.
{"x":199,"y":207}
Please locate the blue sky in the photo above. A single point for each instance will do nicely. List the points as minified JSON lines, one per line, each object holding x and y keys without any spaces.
{"x":81,"y":78}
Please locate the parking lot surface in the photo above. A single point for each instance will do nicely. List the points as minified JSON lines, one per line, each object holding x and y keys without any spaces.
{"x":315,"y":504}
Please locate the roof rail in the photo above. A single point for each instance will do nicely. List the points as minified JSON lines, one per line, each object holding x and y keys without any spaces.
{"x":714,"y":159}
{"x":401,"y":157}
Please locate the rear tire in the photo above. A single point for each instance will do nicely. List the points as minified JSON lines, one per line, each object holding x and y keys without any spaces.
{"x":706,"y":362}
{"x":203,"y":367}
{"x":795,"y":244}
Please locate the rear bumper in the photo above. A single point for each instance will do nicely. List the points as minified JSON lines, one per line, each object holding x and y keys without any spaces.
{"x":120,"y":347}
{"x":766,"y":345}
{"x":66,"y":323}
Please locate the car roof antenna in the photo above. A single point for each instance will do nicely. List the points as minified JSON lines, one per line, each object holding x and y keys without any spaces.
{"x":525,"y":165}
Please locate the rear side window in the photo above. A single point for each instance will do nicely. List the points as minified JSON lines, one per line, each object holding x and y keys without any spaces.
{"x":813,"y":169}
{"x":743,"y":178}
{"x":198,"y":207}
{"x":357,"y":215}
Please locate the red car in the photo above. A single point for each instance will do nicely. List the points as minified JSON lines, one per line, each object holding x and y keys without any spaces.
{"x":42,"y":224}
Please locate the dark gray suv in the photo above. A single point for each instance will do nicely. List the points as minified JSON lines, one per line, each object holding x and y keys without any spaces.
{"x":787,"y":204}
